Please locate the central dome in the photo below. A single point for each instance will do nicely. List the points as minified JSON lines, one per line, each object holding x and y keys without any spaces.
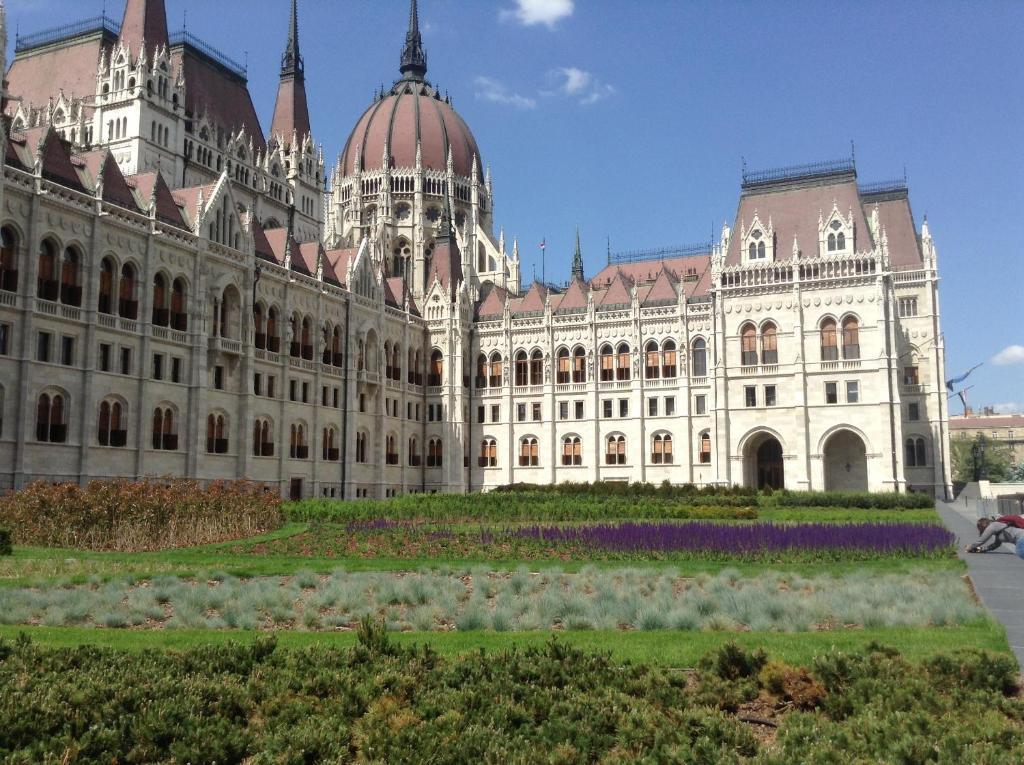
{"x":412,"y":112}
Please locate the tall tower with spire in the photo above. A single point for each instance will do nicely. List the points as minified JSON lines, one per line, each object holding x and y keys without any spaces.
{"x":291,"y":135}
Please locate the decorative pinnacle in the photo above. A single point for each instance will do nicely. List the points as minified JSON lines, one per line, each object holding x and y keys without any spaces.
{"x":413,"y":65}
{"x":291,"y":62}
{"x":577,"y":259}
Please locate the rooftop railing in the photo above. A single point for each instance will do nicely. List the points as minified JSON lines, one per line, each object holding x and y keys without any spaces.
{"x":883,"y":187}
{"x":184,"y":37}
{"x":754,"y":178}
{"x":660,"y":253}
{"x":66,"y":31}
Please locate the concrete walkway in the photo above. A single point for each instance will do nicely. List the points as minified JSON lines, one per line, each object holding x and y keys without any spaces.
{"x":998,"y":576}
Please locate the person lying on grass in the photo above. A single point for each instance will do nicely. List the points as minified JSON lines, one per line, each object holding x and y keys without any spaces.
{"x":995,"y":532}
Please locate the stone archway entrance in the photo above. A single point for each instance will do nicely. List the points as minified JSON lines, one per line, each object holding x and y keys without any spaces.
{"x":763,"y":463}
{"x":846,"y":462}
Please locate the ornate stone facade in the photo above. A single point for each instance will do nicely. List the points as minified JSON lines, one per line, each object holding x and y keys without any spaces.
{"x":182,"y":295}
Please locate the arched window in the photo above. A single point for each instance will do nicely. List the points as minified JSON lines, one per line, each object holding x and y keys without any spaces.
{"x":48,"y":284}
{"x":607,"y":356}
{"x":70,"y":275}
{"x":831,"y":242}
{"x":51,"y":422}
{"x":661,"y":449}
{"x":572,"y":451}
{"x":361,"y":447}
{"x":161,"y":314}
{"x":529,"y":452}
{"x":488,"y":453}
{"x":8,"y":259}
{"x":435,"y":453}
{"x":113,"y":428}
{"x":562,"y":374}
{"x":436,"y":368}
{"x":299,"y":449}
{"x":127,"y":297}
{"x":482,"y":368}
{"x":412,"y":368}
{"x":522,"y":369}
{"x":829,"y":347}
{"x":106,"y":297}
{"x":496,"y":376}
{"x":387,"y":360}
{"x":537,"y":368}
{"x":699,"y":358}
{"x":391,"y":450}
{"x":230,"y":313}
{"x":851,"y":338}
{"x":840,"y":241}
{"x":216,"y":434}
{"x":331,"y":452}
{"x":414,"y":452}
{"x":396,"y":362}
{"x":917,"y":452}
{"x":179,"y":309}
{"x":262,"y":438}
{"x":652,"y":367}
{"x":165,"y":429}
{"x":615,"y":450}
{"x":622,"y":366}
{"x":668,"y":359}
{"x":769,"y":344}
{"x":579,"y":366}
{"x":259,"y":324}
{"x":307,"y":339}
{"x":748,"y":345}
{"x":704,"y":453}
{"x":273,"y":334}
{"x":752,"y":251}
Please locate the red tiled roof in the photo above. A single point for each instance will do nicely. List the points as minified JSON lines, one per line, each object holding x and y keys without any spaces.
{"x":896,"y":218}
{"x":794,"y":209}
{"x":188,"y":199}
{"x":101,"y":163}
{"x":411,"y":112}
{"x":493,"y":303}
{"x":277,"y":239}
{"x":144,"y":20}
{"x":534,"y":299}
{"x":291,"y":111}
{"x":574,"y":297}
{"x":446,"y":265}
{"x":167,"y":209}
{"x":57,"y":163}
{"x":663,"y":288}
{"x":394,"y":291}
{"x":211,"y":89}
{"x":17,"y":154}
{"x":36,"y":77}
{"x":340,"y":260}
{"x":618,"y":292}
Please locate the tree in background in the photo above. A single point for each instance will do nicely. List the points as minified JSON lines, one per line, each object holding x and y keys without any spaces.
{"x":995,"y":459}
{"x":1017,"y":473}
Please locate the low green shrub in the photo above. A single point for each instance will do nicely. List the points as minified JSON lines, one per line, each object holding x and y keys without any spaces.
{"x":868,"y":500}
{"x":5,"y":542}
{"x":131,"y":516}
{"x":378,"y":702}
{"x":665,"y":489}
{"x":520,"y":506}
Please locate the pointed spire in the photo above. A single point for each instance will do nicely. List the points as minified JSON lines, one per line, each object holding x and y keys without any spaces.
{"x":413,"y":65}
{"x":144,"y":27}
{"x":577,"y":259}
{"x":291,"y":111}
{"x":291,"y":62}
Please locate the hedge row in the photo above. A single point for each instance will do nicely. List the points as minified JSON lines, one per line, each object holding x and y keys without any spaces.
{"x":380,"y":703}
{"x":665,"y":489}
{"x":134,"y":516}
{"x":510,"y":506}
{"x":866,"y":500}
{"x":5,"y":542}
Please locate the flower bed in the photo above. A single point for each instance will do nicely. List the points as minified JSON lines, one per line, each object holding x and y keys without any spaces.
{"x":135,"y":516}
{"x":749,"y":540}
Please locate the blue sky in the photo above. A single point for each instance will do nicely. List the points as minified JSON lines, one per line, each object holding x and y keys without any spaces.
{"x":630,"y":119}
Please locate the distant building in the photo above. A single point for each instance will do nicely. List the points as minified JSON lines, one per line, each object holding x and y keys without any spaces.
{"x":1006,"y":429}
{"x":184,"y":294}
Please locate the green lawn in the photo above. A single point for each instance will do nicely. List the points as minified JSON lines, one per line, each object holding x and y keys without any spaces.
{"x":662,"y":647}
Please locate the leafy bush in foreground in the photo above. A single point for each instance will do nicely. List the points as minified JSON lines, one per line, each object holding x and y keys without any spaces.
{"x":664,"y":490}
{"x":380,"y":703}
{"x":5,"y":542}
{"x":515,"y":506}
{"x":134,"y":516}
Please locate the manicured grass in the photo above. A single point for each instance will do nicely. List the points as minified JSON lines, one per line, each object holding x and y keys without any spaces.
{"x":661,"y":647}
{"x":845,"y":515}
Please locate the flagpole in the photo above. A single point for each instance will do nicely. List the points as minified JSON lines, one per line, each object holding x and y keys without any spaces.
{"x":543,"y":261}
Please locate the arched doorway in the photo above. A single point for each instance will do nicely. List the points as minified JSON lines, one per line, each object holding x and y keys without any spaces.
{"x":846,"y":462}
{"x":763,"y":463}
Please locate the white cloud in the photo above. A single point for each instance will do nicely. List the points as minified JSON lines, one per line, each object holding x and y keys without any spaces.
{"x":1010,"y":407}
{"x":490,"y":89}
{"x":580,"y":84}
{"x":1011,"y":354}
{"x":532,"y":12}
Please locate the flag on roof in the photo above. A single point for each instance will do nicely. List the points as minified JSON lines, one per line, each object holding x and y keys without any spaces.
{"x":950,"y":384}
{"x":544,"y":243}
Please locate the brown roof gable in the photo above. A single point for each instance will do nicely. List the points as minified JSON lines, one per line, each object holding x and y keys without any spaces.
{"x":618,"y":292}
{"x":493,"y":303}
{"x":534,"y":300}
{"x":144,"y":20}
{"x":291,"y":111}
{"x":574,"y":297}
{"x":167,"y":210}
{"x":116,"y":191}
{"x":663,"y":290}
{"x":58,"y":165}
{"x":36,"y":77}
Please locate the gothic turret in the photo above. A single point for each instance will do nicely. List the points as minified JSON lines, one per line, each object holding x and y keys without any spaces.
{"x":577,"y":260}
{"x":291,"y":112}
{"x":414,"y":59}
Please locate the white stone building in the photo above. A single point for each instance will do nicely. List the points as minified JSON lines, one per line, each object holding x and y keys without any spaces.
{"x":181,"y":294}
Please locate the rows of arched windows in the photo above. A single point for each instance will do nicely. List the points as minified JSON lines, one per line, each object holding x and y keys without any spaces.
{"x":830,"y":339}
{"x":59,"y":276}
{"x":749,"y":345}
{"x":392,"y":361}
{"x":615,"y":450}
{"x":660,"y":361}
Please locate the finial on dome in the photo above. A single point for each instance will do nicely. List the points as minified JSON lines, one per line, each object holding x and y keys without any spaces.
{"x":413,"y":64}
{"x":291,"y":61}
